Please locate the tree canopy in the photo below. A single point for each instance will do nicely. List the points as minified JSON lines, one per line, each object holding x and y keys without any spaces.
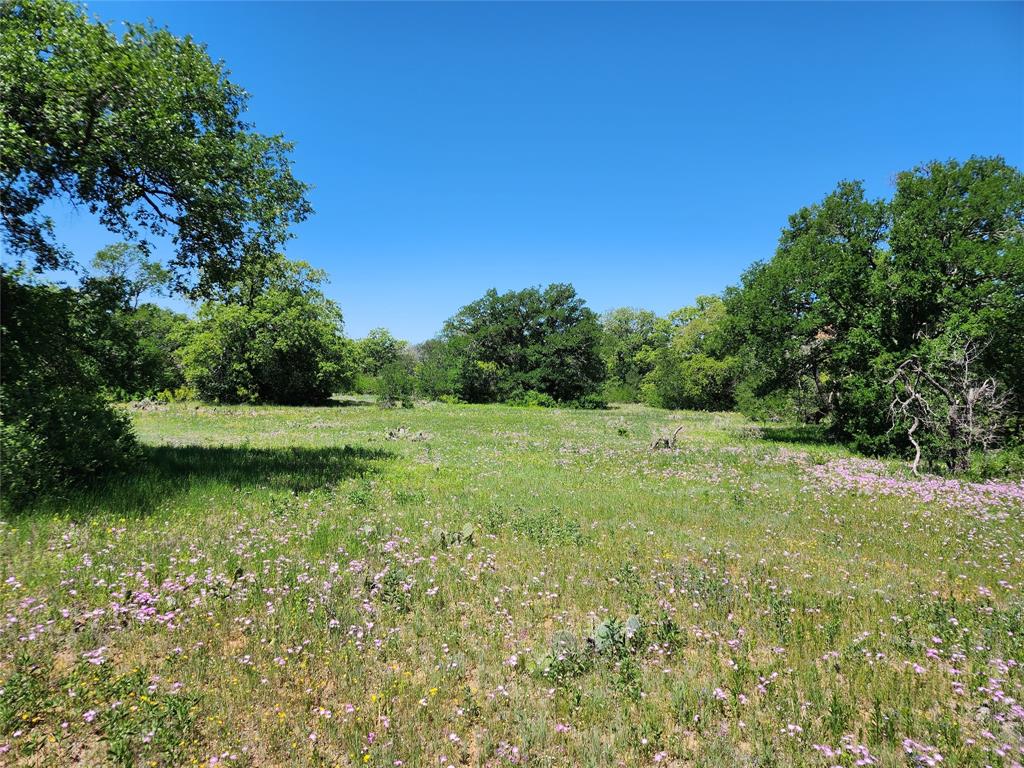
{"x":145,"y":131}
{"x":503,"y":345}
{"x":857,"y":287}
{"x":283,"y":345}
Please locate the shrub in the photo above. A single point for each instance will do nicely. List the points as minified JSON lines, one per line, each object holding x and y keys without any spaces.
{"x":438,"y":369}
{"x":395,"y":385}
{"x":364,"y":384}
{"x":284,"y":345}
{"x":619,"y":392}
{"x":591,"y":402}
{"x":696,"y":381}
{"x":56,"y":428}
{"x":177,"y":395}
{"x":532,"y":399}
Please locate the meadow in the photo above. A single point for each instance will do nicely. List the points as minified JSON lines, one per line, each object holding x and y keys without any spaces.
{"x":456,"y":585}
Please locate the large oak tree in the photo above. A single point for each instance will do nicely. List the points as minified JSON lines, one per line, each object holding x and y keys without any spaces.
{"x":146,"y":132}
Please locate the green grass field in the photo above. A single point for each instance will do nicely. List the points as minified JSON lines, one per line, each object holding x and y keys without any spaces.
{"x":492,"y":586}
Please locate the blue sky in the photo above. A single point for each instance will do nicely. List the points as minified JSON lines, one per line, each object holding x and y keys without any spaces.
{"x":647,"y":153}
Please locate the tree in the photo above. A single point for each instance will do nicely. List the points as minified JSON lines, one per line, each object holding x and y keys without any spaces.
{"x":283,"y":345}
{"x":143,"y":130}
{"x":439,"y":366}
{"x":546,"y":341}
{"x":694,"y":370}
{"x":630,"y":341}
{"x":131,"y":347}
{"x":807,"y":317}
{"x":944,"y":402}
{"x":126,"y":265}
{"x":378,"y":350}
{"x":857,"y":288}
{"x":957,"y":259}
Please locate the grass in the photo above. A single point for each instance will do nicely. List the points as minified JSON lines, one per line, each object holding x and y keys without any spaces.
{"x":498,"y":586}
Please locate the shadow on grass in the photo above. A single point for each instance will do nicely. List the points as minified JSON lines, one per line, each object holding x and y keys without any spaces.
{"x":345,"y":402}
{"x":168,"y":473}
{"x":807,"y":434}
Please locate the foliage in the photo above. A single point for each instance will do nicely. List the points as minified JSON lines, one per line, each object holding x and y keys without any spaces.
{"x":803,"y":317}
{"x":378,"y":350}
{"x":127,"y":265}
{"x":698,"y":381}
{"x":532,"y":399}
{"x":438,"y":368}
{"x":501,"y":345}
{"x":693,"y":370}
{"x":57,"y":429}
{"x":133,"y":346}
{"x":858,"y":286}
{"x":396,"y":384}
{"x":630,"y":341}
{"x":146,"y":131}
{"x":283,"y":345}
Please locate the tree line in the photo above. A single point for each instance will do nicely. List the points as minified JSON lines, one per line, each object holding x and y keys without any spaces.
{"x":889,"y":323}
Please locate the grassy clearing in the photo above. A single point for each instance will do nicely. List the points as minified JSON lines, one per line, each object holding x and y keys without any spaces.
{"x":289,"y":586}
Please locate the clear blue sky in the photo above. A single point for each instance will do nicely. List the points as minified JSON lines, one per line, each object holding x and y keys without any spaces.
{"x":647,"y":153}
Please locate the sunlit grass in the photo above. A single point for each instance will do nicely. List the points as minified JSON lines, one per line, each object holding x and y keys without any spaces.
{"x":295,"y":588}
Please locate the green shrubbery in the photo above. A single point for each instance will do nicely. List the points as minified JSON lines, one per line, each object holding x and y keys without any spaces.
{"x":279,"y":343}
{"x":858,"y":288}
{"x":693,"y":369}
{"x":396,"y":384}
{"x":57,"y":427}
{"x":532,"y":399}
{"x":697,"y":381}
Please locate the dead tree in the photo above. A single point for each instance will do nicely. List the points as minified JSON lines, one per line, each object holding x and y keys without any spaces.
{"x":659,"y":443}
{"x":945,"y":400}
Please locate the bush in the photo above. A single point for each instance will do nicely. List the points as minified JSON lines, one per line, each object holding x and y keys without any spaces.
{"x":56,"y":428}
{"x":177,"y":395}
{"x":591,"y":402}
{"x":395,"y":385}
{"x":695,"y":381}
{"x":364,"y":384}
{"x":532,"y":399}
{"x":283,"y":346}
{"x":621,"y":392}
{"x":438,"y":369}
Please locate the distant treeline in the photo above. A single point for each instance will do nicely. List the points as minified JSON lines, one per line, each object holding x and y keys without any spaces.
{"x":894,"y":325}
